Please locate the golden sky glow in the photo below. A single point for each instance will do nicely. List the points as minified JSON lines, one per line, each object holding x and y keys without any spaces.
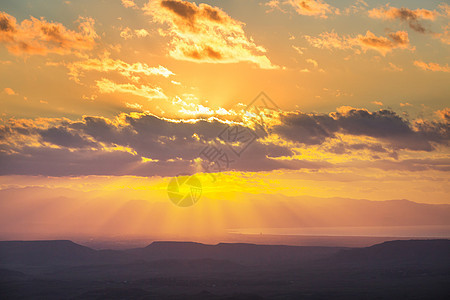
{"x":109,"y":100}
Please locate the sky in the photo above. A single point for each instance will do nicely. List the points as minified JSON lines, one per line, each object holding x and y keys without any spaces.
{"x":115,"y":101}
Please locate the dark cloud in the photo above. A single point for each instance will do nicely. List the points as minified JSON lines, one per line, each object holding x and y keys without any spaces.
{"x":412,"y":165}
{"x":412,"y":17}
{"x":384,"y":125}
{"x":97,"y":145}
{"x":381,"y":123}
{"x":343,"y":148}
{"x":190,"y":12}
{"x":183,"y":9}
{"x":62,"y":137}
{"x":207,"y":52}
{"x":213,"y":13}
{"x":147,"y":145}
{"x":435,"y":131}
{"x":306,"y":129}
{"x":64,"y":162}
{"x":6,"y":24}
{"x":397,"y":39}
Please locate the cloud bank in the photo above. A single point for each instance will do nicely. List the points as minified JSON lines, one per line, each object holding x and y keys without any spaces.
{"x":146,"y":145}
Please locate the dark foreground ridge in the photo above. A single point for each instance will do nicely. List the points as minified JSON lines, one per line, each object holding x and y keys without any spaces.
{"x":407,"y":269}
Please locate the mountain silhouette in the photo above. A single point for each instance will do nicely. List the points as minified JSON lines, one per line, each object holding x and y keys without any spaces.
{"x":241,"y":253}
{"x":420,"y":252}
{"x":404,"y":269}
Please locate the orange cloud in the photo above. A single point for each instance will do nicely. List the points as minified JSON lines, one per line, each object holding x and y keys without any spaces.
{"x":128,"y":33}
{"x":331,"y":40}
{"x":9,"y":91}
{"x":384,"y":45}
{"x":203,"y":33}
{"x":432,"y":66}
{"x":445,"y":8}
{"x":39,"y":37}
{"x":316,"y":8}
{"x":358,"y":6}
{"x":273,"y":5}
{"x":412,"y":17}
{"x":444,"y":114}
{"x":129,"y":3}
{"x":313,"y":62}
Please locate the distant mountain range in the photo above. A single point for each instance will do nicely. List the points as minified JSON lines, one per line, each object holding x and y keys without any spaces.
{"x":65,"y":252}
{"x":406,"y":252}
{"x":184,"y":270}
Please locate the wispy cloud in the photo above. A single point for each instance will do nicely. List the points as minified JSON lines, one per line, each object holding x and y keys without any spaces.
{"x":129,"y":3}
{"x":435,"y":67}
{"x":106,"y":64}
{"x":273,"y":5}
{"x":412,"y":17}
{"x":128,"y":33}
{"x":107,"y":86}
{"x":315,"y":8}
{"x":384,"y":45}
{"x":444,"y":36}
{"x":394,"y":68}
{"x":358,"y":6}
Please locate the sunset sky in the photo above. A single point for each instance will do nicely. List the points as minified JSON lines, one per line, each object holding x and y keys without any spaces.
{"x":104,"y":102}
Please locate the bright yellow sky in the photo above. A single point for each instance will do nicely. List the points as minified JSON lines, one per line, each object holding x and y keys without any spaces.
{"x":115,"y":98}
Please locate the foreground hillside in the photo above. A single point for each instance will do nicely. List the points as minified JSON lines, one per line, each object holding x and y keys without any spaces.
{"x":413,"y":269}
